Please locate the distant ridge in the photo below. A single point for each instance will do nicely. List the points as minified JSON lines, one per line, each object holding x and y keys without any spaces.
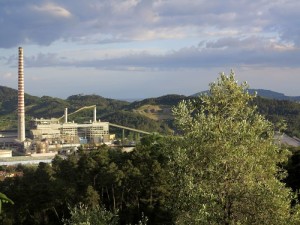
{"x":265,"y":94}
{"x":130,"y":99}
{"x":273,"y":95}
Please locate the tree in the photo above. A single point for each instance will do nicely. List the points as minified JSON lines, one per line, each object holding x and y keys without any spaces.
{"x":293,"y":169}
{"x":81,"y":214}
{"x":4,"y":199}
{"x":148,"y":180}
{"x":226,"y":164}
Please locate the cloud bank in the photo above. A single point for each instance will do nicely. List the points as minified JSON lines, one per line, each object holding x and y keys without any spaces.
{"x":230,"y":32}
{"x":130,"y":37}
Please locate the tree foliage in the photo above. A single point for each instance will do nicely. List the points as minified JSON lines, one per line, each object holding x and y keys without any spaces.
{"x":226,"y":163}
{"x":4,"y":199}
{"x":83,"y":215}
{"x":132,"y":185}
{"x":223,"y":167}
{"x":278,"y":110}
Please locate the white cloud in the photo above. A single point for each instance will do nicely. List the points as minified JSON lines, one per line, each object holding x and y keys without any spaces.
{"x":130,"y":20}
{"x":52,"y":9}
{"x":251,"y":51}
{"x":161,"y":33}
{"x":123,"y":6}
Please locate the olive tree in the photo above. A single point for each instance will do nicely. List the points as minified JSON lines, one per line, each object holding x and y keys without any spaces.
{"x":83,"y":215}
{"x":226,"y":164}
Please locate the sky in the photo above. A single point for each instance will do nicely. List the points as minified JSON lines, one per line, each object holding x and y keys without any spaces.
{"x":125,"y":49}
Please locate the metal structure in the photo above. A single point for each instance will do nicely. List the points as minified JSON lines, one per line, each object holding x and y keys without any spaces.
{"x":21,"y":104}
{"x":123,"y":128}
{"x":58,"y":133}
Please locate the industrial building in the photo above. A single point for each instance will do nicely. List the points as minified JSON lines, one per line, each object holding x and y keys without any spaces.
{"x":48,"y":134}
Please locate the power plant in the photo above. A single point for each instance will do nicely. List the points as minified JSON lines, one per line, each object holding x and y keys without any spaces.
{"x":48,"y":134}
{"x":51,"y":135}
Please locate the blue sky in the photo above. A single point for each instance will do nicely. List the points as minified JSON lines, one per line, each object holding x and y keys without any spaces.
{"x":148,"y":48}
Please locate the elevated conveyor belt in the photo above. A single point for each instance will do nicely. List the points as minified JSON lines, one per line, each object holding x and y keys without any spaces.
{"x":128,"y":128}
{"x":78,"y":110}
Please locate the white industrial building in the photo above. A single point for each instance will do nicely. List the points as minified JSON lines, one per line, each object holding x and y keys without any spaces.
{"x":56,"y":134}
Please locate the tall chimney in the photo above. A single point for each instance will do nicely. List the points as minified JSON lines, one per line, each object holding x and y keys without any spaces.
{"x":66,"y":115}
{"x":21,"y":104}
{"x":95,"y":115}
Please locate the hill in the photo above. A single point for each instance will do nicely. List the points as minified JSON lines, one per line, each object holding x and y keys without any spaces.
{"x":115,"y":111}
{"x":157,"y":109}
{"x":273,"y":95}
{"x":265,"y":94}
{"x":9,"y":100}
{"x":152,"y":114}
{"x":281,"y":110}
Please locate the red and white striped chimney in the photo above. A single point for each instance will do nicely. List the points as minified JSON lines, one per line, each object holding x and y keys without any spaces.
{"x":21,"y":104}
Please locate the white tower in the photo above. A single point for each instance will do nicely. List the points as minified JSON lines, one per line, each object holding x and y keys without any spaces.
{"x":66,"y":115}
{"x":21,"y":104}
{"x":95,"y":115}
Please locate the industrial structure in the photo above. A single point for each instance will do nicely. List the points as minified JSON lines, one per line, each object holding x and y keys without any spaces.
{"x":51,"y":135}
{"x":48,"y":134}
{"x":21,"y":104}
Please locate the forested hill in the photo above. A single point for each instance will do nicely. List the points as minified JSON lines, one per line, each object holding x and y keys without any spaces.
{"x":152,"y":114}
{"x":169,"y":100}
{"x":273,"y":95}
{"x":9,"y":100}
{"x":115,"y":111}
{"x":265,"y":94}
{"x":278,"y":110}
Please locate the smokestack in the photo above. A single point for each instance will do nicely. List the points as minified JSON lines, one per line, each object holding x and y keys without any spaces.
{"x":95,"y":115}
{"x":21,"y":104}
{"x":66,"y":115}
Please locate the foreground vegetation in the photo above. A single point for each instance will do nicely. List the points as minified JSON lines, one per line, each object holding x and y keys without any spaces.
{"x":223,"y":167}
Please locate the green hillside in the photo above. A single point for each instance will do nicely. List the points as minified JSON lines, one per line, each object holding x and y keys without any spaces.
{"x":112,"y":110}
{"x":278,"y":110}
{"x":152,"y":114}
{"x":9,"y":100}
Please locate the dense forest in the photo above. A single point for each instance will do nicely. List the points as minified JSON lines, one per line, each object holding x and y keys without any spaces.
{"x":222,"y":167}
{"x":281,"y":110}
